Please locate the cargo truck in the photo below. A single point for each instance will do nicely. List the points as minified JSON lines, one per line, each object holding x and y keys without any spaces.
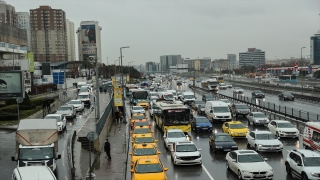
{"x":37,"y":143}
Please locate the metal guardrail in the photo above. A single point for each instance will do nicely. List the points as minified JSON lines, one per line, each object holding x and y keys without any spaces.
{"x":299,"y":115}
{"x":100,"y":124}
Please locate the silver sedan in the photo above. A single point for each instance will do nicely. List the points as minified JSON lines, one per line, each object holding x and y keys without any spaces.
{"x":257,"y":118}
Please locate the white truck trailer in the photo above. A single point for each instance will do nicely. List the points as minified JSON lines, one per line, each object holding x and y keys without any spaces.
{"x":37,"y":143}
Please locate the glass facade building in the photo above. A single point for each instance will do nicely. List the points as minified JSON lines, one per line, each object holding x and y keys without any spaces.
{"x":315,"y":49}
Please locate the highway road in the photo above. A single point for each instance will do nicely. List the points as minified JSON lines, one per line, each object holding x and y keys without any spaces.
{"x":213,"y":167}
{"x":7,"y":145}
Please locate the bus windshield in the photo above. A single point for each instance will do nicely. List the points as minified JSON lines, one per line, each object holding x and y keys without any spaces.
{"x":140,"y":95}
{"x":176,"y":117}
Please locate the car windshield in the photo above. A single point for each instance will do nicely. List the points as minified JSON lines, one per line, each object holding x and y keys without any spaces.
{"x":144,"y":151}
{"x":237,"y":88}
{"x":186,"y":148}
{"x":176,"y":134}
{"x":265,"y":136}
{"x":202,"y":120}
{"x":222,"y":84}
{"x":153,"y":98}
{"x":63,"y":108}
{"x":209,"y":96}
{"x":148,"y":168}
{"x":141,"y":130}
{"x":179,"y":93}
{"x":225,"y":100}
{"x":202,"y":105}
{"x":311,"y":161}
{"x":249,"y":158}
{"x":75,"y":102}
{"x":221,"y":109}
{"x":82,"y":96}
{"x":242,"y":106}
{"x":33,"y":154}
{"x":189,"y":96}
{"x":258,"y":92}
{"x":143,"y":123}
{"x":168,"y":96}
{"x":174,"y":93}
{"x":143,"y":140}
{"x":285,"y":125}
{"x":259,"y":115}
{"x":57,"y":118}
{"x":287,"y":94}
{"x":237,"y":126}
{"x":138,"y":117}
{"x":223,"y":138}
{"x":137,"y":108}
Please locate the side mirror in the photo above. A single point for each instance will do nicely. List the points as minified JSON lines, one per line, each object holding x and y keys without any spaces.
{"x":59,"y":157}
{"x":131,"y":170}
{"x":12,"y":158}
{"x":199,"y":149}
{"x":211,"y":111}
{"x":156,"y":141}
{"x":165,"y":169}
{"x":130,"y":153}
{"x":266,"y":159}
{"x":299,"y":164}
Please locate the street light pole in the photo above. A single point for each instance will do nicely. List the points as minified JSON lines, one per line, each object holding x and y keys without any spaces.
{"x":123,"y":100}
{"x":13,"y":58}
{"x":97,"y":87}
{"x":115,"y":67}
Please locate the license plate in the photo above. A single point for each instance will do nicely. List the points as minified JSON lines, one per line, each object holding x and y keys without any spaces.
{"x":223,"y":120}
{"x":257,"y":175}
{"x":227,"y":150}
{"x":240,"y":134}
{"x":204,"y":128}
{"x":36,"y":164}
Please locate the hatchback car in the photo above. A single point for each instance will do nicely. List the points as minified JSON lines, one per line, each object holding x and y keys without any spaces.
{"x":248,"y":164}
{"x":222,"y":142}
{"x":201,"y":123}
{"x":264,"y":141}
{"x":173,"y":135}
{"x":286,"y":96}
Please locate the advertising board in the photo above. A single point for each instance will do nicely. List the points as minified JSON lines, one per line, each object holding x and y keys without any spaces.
{"x":11,"y":84}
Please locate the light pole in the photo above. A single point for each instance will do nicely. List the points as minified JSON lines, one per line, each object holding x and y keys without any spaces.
{"x":13,"y":58}
{"x":115,"y":67}
{"x":123,"y":100}
{"x":301,"y":54}
{"x":129,"y":70}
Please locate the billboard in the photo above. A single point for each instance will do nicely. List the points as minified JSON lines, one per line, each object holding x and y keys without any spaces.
{"x":117,"y":96}
{"x":88,"y":33}
{"x":11,"y":84}
{"x":46,"y":69}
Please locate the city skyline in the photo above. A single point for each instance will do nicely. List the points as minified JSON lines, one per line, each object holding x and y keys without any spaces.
{"x":194,"y":28}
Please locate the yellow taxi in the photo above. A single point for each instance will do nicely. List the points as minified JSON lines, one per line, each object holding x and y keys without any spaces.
{"x":144,"y":139}
{"x":140,"y":130}
{"x":235,"y":129}
{"x":140,"y":122}
{"x":143,"y":103}
{"x":137,"y":116}
{"x":149,"y":168}
{"x":143,"y":151}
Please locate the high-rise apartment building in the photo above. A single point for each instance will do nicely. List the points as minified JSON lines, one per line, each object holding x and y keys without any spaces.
{"x":205,"y":63}
{"x":71,"y":41}
{"x":232,"y":58}
{"x":253,"y":57}
{"x":315,"y":49}
{"x":48,"y":34}
{"x":89,"y":40}
{"x":23,"y":19}
{"x":149,"y":66}
{"x":8,"y":14}
{"x":169,"y":60}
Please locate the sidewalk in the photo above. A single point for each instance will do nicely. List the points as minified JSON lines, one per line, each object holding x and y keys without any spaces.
{"x":116,"y":168}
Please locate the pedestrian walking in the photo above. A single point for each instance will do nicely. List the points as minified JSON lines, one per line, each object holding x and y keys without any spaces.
{"x":120,"y":116}
{"x":48,"y":105}
{"x":107,"y":149}
{"x":117,"y":115}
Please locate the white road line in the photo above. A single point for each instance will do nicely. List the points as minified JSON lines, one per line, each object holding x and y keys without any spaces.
{"x":62,"y":158}
{"x":205,"y":169}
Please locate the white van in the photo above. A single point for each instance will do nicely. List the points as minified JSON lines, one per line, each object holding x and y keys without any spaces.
{"x":311,"y":136}
{"x":218,"y":111}
{"x":188,"y":97}
{"x":174,"y":93}
{"x":32,"y":173}
{"x":84,"y":97}
{"x":79,"y":84}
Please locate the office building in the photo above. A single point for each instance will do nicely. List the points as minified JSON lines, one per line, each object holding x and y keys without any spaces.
{"x":48,"y":34}
{"x":315,"y":49}
{"x":232,"y":58}
{"x":149,"y":66}
{"x":23,"y":19}
{"x":8,"y":14}
{"x":169,"y":60}
{"x":71,"y":40}
{"x":220,"y":64}
{"x":190,"y":63}
{"x":205,"y":63}
{"x":89,"y":40}
{"x":253,"y":57}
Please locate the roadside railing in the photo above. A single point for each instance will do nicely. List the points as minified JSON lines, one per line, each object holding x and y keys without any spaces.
{"x":100,"y":124}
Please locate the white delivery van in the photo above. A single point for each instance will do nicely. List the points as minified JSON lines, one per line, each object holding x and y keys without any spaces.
{"x":311,"y":136}
{"x":32,"y":173}
{"x":174,"y":93}
{"x":188,"y":97}
{"x":85,"y":97}
{"x":218,"y":111}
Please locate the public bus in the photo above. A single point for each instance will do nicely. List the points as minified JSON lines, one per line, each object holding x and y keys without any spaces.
{"x":129,"y":87}
{"x":173,"y":116}
{"x":220,"y":79}
{"x":288,"y":78}
{"x":138,"y":94}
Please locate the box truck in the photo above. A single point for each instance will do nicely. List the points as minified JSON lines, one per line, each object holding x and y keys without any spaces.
{"x":37,"y":143}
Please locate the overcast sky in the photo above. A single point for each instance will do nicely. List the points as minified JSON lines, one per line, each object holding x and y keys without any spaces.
{"x":193,"y":28}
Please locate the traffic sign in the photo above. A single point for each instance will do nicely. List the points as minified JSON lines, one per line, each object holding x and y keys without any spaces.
{"x":19,"y":100}
{"x":92,"y":136}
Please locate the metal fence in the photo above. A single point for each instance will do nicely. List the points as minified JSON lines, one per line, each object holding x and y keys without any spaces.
{"x":100,"y":124}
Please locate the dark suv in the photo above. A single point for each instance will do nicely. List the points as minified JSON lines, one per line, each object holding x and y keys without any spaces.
{"x":208,"y":97}
{"x":257,"y":94}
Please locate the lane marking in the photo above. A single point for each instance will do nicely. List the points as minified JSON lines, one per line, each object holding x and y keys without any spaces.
{"x":62,"y":158}
{"x":205,"y":169}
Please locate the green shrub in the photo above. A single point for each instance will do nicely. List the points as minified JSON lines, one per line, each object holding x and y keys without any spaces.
{"x":10,"y":102}
{"x":37,"y":101}
{"x":5,"y":116}
{"x":26,"y":107}
{"x":26,"y":100}
{"x":9,"y":109}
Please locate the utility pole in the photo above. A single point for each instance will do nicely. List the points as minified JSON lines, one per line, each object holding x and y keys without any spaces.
{"x":122,"y":85}
{"x":97,"y":88}
{"x":194,"y":82}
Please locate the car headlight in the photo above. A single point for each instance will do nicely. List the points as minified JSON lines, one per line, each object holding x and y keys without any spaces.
{"x":314,"y":174}
{"x":281,"y":131}
{"x":234,"y":146}
{"x":245,"y":172}
{"x":70,"y":114}
{"x":260,"y":145}
{"x":218,"y":147}
{"x":199,"y":156}
{"x":214,"y":116}
{"x":270,"y":171}
{"x":281,"y":145}
{"x":231,"y":132}
{"x":197,"y":126}
{"x":284,"y":96}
